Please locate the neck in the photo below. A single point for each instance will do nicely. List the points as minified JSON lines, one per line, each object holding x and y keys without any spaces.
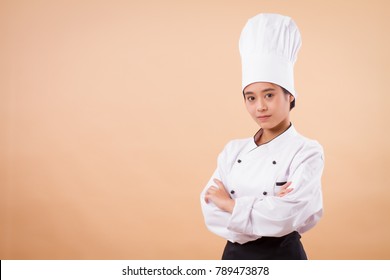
{"x":269,"y":134}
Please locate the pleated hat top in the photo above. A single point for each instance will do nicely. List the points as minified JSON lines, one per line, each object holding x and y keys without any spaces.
{"x":269,"y":45}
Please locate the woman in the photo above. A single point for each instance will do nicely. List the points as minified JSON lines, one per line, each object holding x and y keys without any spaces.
{"x":266,"y":190}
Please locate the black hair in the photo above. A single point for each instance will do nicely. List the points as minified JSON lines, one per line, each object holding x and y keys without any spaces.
{"x":292,"y":103}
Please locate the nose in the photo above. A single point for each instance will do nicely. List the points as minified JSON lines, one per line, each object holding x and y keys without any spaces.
{"x":261,"y":106}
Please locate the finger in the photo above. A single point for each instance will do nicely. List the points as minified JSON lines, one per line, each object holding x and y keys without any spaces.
{"x":285,"y":186}
{"x":219,"y":183}
{"x":284,"y":192}
{"x":221,"y":188}
{"x":211,"y":189}
{"x":208,"y":195}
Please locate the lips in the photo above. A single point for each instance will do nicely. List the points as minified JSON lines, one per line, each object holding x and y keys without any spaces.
{"x":265,"y":117}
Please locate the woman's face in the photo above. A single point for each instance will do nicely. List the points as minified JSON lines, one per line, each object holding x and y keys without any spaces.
{"x":268,"y":105}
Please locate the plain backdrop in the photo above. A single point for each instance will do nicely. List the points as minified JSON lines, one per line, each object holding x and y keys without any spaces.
{"x":112,"y":114}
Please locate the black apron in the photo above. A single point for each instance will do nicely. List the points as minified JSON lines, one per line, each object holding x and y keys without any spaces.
{"x":288,"y":247}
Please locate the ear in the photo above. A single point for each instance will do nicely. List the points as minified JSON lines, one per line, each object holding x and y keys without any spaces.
{"x":291,"y":97}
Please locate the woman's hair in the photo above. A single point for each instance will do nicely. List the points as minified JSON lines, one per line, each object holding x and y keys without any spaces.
{"x":292,"y":103}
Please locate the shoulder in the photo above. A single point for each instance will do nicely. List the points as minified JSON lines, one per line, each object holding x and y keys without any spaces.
{"x":236,"y":145}
{"x":312,"y":145}
{"x":309,"y":147}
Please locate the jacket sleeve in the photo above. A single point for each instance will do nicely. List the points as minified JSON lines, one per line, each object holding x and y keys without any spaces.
{"x":297,"y":211}
{"x":217,"y":220}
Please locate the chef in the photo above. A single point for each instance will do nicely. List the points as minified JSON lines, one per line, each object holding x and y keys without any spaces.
{"x":266,"y":189}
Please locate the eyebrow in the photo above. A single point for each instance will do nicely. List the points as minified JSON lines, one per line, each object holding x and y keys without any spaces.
{"x":263,"y":91}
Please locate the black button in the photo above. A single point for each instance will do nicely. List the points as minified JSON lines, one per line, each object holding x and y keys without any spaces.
{"x":232,"y":191}
{"x":274,"y":162}
{"x":264,"y":193}
{"x":239,"y":161}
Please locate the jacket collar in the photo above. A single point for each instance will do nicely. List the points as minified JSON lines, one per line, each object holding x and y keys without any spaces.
{"x":277,"y":142}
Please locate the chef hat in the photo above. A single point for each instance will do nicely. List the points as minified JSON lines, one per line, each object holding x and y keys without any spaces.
{"x":269,"y":45}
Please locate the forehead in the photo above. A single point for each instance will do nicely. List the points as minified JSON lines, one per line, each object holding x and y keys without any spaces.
{"x":261,"y":86}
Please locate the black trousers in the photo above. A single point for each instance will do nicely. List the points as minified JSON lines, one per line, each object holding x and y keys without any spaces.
{"x":288,"y":247}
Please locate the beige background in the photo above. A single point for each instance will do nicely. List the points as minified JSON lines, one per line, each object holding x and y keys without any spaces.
{"x":112,"y":114}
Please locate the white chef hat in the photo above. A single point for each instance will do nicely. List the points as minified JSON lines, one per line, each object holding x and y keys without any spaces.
{"x":269,"y":45}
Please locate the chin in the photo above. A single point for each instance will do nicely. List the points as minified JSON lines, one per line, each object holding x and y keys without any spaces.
{"x":265,"y":125}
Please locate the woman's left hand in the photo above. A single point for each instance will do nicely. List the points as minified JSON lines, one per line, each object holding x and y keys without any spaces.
{"x":284,"y":190}
{"x":220,"y":197}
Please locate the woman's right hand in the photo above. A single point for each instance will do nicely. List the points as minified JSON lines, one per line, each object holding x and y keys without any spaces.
{"x":220,"y":197}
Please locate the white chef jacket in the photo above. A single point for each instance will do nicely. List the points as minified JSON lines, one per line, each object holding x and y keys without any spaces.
{"x":253,"y":175}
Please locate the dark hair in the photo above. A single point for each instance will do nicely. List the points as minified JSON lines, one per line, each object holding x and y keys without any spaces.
{"x":292,"y":103}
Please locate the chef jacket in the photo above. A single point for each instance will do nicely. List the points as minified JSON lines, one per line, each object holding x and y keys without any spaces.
{"x":253,"y":175}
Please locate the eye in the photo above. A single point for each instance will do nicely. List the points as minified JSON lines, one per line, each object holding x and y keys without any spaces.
{"x":250,"y":98}
{"x":269,"y":95}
